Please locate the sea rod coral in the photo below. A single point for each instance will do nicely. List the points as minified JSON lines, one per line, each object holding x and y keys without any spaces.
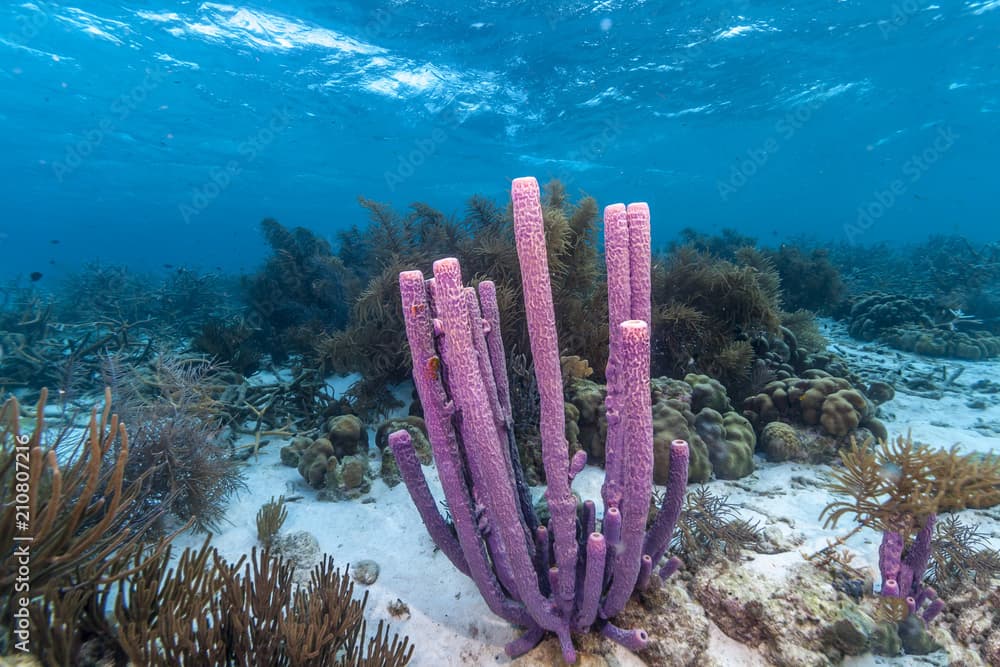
{"x":565,"y":577}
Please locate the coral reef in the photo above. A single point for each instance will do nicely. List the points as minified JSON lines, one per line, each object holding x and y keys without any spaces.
{"x":826,"y":411}
{"x":725,"y":245}
{"x":336,"y":462}
{"x":303,"y":290}
{"x":116,"y":298}
{"x":971,"y":345}
{"x":904,"y":506}
{"x":83,"y":520}
{"x":952,"y":270}
{"x":103,"y":592}
{"x":706,"y":311}
{"x":372,"y":343}
{"x":809,"y":282}
{"x":174,"y":426}
{"x":919,"y":324}
{"x":542,"y":577}
{"x":696,"y":410}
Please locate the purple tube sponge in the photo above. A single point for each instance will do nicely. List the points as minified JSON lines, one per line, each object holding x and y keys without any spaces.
{"x":529,"y":235}
{"x":409,"y":469}
{"x":563,"y":577}
{"x":902,"y":569}
{"x":637,"y":467}
{"x":616,"y":251}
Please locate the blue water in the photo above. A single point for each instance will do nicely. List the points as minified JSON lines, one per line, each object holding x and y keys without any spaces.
{"x":156,"y":132}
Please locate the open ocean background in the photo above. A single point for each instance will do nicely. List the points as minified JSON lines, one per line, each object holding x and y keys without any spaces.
{"x":156,"y":132}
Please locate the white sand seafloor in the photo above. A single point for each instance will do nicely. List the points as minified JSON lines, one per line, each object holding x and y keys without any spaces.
{"x":451,"y":625}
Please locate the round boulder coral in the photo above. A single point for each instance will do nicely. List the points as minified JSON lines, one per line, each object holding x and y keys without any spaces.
{"x":347,"y":435}
{"x":843,"y":411}
{"x":672,"y":421}
{"x":587,"y":398}
{"x":707,"y":392}
{"x":781,"y":442}
{"x":730,"y":440}
{"x":316,"y":461}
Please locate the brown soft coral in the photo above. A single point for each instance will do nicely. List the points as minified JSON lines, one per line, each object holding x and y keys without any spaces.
{"x":705,"y":309}
{"x":925,"y":481}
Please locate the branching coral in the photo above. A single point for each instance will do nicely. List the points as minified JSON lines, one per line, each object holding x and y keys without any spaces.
{"x":206,"y":611}
{"x":270,"y":518}
{"x":80,"y":516}
{"x":960,"y":556}
{"x":372,"y":343}
{"x":89,"y":561}
{"x":303,"y":284}
{"x":231,"y":342}
{"x":808,"y":281}
{"x":895,"y":485}
{"x":174,"y":427}
{"x":724,"y":245}
{"x":48,"y":346}
{"x":709,"y":528}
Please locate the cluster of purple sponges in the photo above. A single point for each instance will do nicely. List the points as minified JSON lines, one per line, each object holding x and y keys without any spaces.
{"x":903,"y":570}
{"x":565,"y":577}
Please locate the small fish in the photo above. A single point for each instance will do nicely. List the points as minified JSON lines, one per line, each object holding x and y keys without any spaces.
{"x":35,"y":276}
{"x":168,"y":266}
{"x":54,"y":241}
